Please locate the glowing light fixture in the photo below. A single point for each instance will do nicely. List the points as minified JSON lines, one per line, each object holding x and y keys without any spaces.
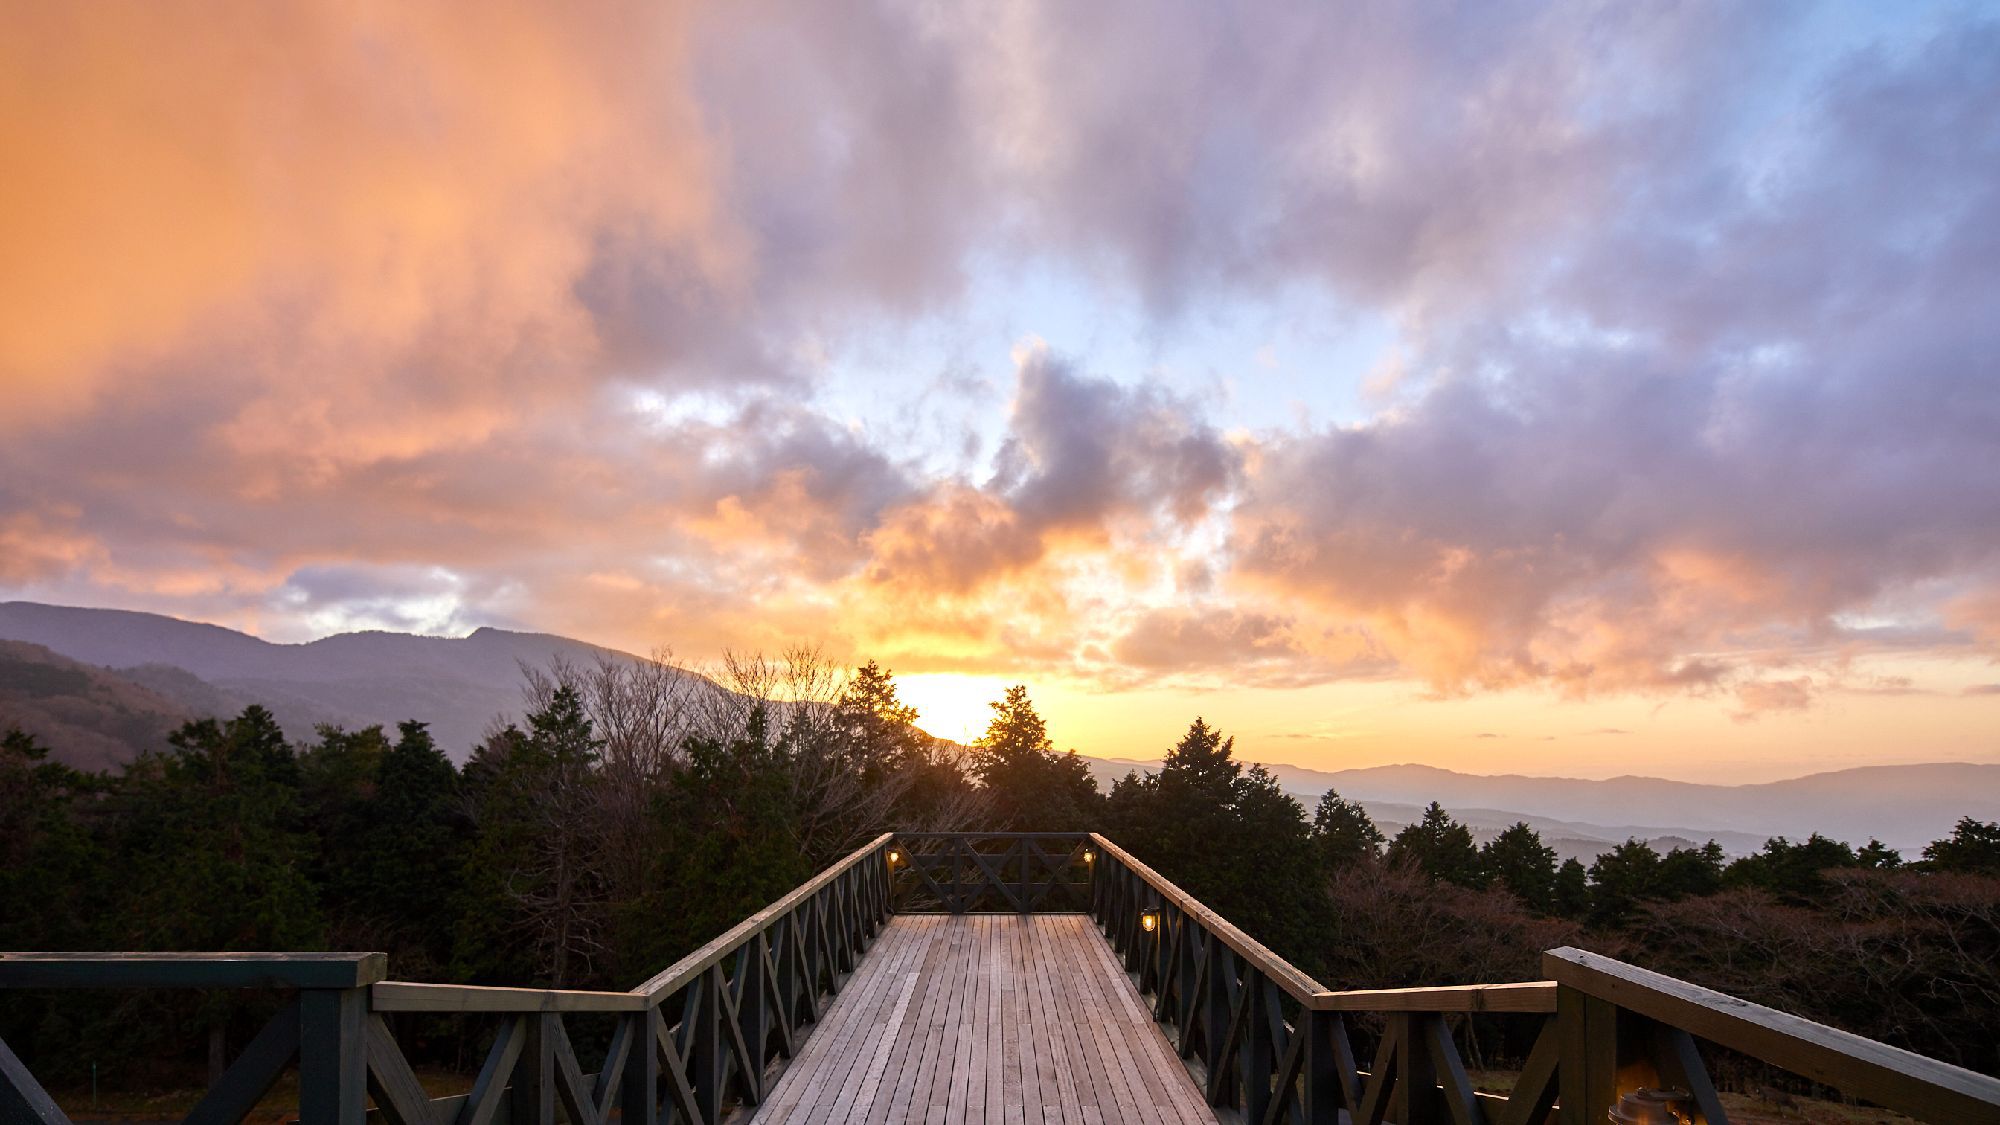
{"x":895,"y":857}
{"x":1652,"y":1107}
{"x":1149,"y":919}
{"x":1089,"y":856}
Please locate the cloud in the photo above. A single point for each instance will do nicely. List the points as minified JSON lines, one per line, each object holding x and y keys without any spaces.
{"x":1758,"y":698}
{"x":335,"y":313}
{"x":1084,"y":460}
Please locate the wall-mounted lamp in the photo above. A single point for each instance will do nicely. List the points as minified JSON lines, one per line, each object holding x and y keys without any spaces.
{"x":1652,"y":1107}
{"x":1089,"y":856}
{"x":895,"y":857}
{"x":1149,"y":919}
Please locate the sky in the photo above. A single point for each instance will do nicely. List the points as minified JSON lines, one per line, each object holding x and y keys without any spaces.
{"x":1586,"y":388}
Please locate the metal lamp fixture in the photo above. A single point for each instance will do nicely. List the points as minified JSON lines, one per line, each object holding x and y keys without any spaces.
{"x":1149,"y":919}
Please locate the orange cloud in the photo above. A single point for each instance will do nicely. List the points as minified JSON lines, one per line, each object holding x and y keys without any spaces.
{"x":345,"y":210}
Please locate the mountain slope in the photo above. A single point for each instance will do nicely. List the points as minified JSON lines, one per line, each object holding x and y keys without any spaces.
{"x":456,"y":684}
{"x":89,"y":717}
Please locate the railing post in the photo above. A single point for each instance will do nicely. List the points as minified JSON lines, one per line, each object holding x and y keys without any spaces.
{"x":333,"y":1056}
{"x":531,"y":1096}
{"x":639,"y":1085}
{"x":1595,"y":1050}
{"x":1254,"y":1055}
{"x":1320,"y":1074}
{"x":706,"y":1058}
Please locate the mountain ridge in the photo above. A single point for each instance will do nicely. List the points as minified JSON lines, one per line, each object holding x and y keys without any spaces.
{"x":1854,"y":803}
{"x":459,"y":685}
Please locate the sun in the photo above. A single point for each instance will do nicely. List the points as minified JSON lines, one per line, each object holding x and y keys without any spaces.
{"x":950,"y":705}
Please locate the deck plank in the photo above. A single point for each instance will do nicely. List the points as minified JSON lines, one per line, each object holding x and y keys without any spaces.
{"x":1001,"y":1019}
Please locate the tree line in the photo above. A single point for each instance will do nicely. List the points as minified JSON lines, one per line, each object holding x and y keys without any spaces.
{"x":637,"y":811}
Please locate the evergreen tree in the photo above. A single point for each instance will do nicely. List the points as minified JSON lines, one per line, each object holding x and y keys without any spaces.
{"x":1622,"y":878}
{"x":534,"y":886}
{"x":1792,"y":871}
{"x":1689,"y":872}
{"x":48,"y":854}
{"x":414,"y":849}
{"x":1571,"y":896}
{"x":1518,"y":861}
{"x":1438,"y":846}
{"x":1343,"y":834}
{"x":210,"y":843}
{"x":1029,"y":787}
{"x":1231,"y":837}
{"x":1973,"y":848}
{"x":1878,"y":856}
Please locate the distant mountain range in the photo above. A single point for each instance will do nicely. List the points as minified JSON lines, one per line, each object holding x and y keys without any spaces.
{"x":456,"y":684}
{"x":1905,"y":807}
{"x":99,"y":684}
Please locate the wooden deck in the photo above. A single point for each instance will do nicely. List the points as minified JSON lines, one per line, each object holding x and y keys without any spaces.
{"x":1000,"y":1019}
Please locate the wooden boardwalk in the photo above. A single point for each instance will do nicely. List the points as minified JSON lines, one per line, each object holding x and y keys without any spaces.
{"x":992,"y":1019}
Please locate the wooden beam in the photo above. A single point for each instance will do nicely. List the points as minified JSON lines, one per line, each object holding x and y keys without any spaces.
{"x":1528,"y":996}
{"x":22,"y":1099}
{"x":1890,"y":1077}
{"x":409,"y":996}
{"x":251,"y":1076}
{"x":191,"y":970}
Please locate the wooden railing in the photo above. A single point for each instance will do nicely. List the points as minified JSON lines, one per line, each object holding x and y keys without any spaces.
{"x":1259,"y":1035}
{"x":990,"y":872}
{"x":686,"y":1044}
{"x":1269,"y":1041}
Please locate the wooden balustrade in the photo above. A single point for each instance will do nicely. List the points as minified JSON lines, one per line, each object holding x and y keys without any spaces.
{"x":997,"y":872}
{"x":1270,"y":1042}
{"x":687,"y":1043}
{"x":1258,"y":1034}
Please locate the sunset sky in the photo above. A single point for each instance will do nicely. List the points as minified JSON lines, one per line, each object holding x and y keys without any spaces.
{"x":1580,"y":388}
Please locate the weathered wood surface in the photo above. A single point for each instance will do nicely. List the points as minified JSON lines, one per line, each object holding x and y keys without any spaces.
{"x":993,"y":1019}
{"x":1922,"y":1087}
{"x":191,"y":970}
{"x":1528,"y":996}
{"x":409,"y":996}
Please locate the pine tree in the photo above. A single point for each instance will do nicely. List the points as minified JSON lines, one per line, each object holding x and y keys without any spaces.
{"x":1518,"y":861}
{"x":1343,"y":833}
{"x":1973,"y":848}
{"x":1030,"y":787}
{"x":1571,"y":897}
{"x":1439,"y":847}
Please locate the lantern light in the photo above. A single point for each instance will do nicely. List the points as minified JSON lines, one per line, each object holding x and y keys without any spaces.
{"x":1089,"y":856}
{"x":894,"y":857}
{"x":1149,"y":920}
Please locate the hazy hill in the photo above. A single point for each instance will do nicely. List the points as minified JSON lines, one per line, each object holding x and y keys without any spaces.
{"x":456,"y":684}
{"x":90,"y":717}
{"x":1904,"y":806}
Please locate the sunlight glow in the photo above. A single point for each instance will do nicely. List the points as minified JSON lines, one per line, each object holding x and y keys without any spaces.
{"x":950,"y":705}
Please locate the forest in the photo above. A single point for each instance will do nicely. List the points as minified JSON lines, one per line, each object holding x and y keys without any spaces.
{"x":637,"y":811}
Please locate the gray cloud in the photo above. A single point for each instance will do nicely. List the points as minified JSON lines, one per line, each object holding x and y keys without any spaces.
{"x":1697,"y":324}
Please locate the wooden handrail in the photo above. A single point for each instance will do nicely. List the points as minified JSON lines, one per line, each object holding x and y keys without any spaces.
{"x":1527,"y":996}
{"x":1891,"y":1077}
{"x":191,"y":970}
{"x":671,"y":979}
{"x":1282,"y":972}
{"x":411,"y":996}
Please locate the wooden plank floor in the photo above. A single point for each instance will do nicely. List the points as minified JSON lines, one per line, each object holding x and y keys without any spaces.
{"x":987,"y":1018}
